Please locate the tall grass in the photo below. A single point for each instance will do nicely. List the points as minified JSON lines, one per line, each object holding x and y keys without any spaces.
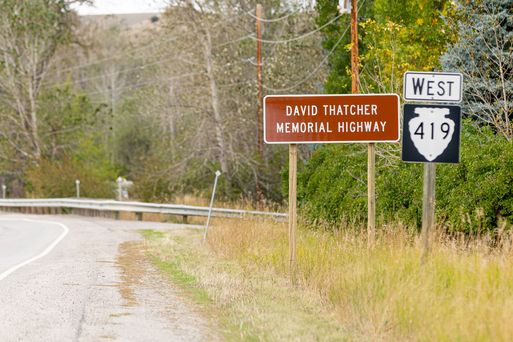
{"x":382,"y":291}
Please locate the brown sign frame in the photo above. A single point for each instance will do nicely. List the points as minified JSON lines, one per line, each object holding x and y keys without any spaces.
{"x":396,"y":134}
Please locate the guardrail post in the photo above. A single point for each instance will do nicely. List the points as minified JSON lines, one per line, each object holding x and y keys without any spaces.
{"x":218,"y":173}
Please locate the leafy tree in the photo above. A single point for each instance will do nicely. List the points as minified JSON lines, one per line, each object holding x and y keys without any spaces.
{"x":30,"y":34}
{"x":71,"y":148}
{"x":66,"y":117}
{"x":483,"y":54}
{"x":394,"y":36}
{"x":198,"y":113}
{"x":403,"y":35}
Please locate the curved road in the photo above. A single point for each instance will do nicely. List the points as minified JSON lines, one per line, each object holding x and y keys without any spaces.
{"x":61,"y":279}
{"x":23,"y":241}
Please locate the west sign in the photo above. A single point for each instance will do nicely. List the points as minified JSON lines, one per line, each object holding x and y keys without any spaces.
{"x":433,"y":86}
{"x":293,"y":119}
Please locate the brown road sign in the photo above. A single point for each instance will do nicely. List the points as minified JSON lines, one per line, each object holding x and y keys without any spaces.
{"x":291,"y":119}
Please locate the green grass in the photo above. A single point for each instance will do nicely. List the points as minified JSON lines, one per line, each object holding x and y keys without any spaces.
{"x":186,"y":282}
{"x":150,"y":234}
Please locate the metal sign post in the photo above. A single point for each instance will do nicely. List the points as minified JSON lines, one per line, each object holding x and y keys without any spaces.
{"x":218,"y":173}
{"x":428,"y":206}
{"x":292,"y":209}
{"x":431,"y":133}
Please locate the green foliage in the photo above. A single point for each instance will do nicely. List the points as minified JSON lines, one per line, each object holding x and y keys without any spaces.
{"x":394,"y":36}
{"x":73,"y":148}
{"x":331,"y":186}
{"x":47,"y":21}
{"x":66,"y":118}
{"x":475,"y":195}
{"x":56,"y":179}
{"x":403,"y":35}
{"x":471,"y":196}
{"x":399,"y":193}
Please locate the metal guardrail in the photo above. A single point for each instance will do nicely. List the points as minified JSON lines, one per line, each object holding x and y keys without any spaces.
{"x":135,"y":207}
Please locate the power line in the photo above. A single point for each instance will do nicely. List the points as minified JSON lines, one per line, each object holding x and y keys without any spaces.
{"x":298,"y":37}
{"x":311,"y":74}
{"x":273,"y":20}
{"x":121,"y":72}
{"x":115,"y":56}
{"x":171,"y":59}
{"x":146,"y":84}
{"x":134,"y":50}
{"x":152,"y":82}
{"x":124,"y":71}
{"x":315,"y":71}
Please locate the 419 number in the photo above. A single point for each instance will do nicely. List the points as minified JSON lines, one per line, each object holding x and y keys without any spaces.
{"x":444,"y":128}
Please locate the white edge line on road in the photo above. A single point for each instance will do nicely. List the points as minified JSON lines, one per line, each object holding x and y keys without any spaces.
{"x":42,"y":254}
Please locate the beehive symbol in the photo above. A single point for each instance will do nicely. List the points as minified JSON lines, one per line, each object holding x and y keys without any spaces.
{"x":432,"y":144}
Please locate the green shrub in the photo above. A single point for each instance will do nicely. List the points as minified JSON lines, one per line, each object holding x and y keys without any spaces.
{"x":56,"y":179}
{"x":331,"y":185}
{"x":477,"y":194}
{"x":474,"y":195}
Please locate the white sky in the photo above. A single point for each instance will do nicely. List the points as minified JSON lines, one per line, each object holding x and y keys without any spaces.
{"x":121,"y":6}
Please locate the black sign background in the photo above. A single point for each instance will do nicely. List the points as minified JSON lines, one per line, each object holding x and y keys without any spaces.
{"x":450,"y":155}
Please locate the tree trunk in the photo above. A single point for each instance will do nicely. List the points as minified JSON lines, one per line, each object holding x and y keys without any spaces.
{"x":218,"y":122}
{"x":34,"y":130}
{"x":171,"y":116}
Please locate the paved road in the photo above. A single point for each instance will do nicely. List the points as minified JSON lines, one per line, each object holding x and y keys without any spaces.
{"x":81,"y":279}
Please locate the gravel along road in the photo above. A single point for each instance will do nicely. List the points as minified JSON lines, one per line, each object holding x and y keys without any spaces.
{"x":86,"y":279}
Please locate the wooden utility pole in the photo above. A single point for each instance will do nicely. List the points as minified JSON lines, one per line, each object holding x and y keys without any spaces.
{"x":354,"y":48}
{"x":428,"y":206}
{"x":371,"y":157}
{"x":292,"y":208}
{"x":260,"y":128}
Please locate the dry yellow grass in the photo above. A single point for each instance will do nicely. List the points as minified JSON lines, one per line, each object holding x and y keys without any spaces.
{"x":241,"y":203}
{"x":252,"y":304}
{"x":463,"y":292}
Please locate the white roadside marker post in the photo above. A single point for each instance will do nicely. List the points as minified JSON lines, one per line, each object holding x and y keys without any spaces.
{"x":218,"y":173}
{"x":77,"y":184}
{"x":120,"y":190}
{"x":4,"y":191}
